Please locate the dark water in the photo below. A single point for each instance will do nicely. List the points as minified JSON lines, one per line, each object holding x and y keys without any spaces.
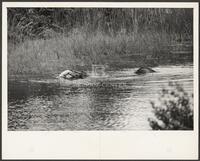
{"x":118,"y":101}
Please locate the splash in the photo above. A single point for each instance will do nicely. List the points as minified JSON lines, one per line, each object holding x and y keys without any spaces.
{"x":98,"y":70}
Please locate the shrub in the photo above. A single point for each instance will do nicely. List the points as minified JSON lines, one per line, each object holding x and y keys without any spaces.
{"x":174,"y":110}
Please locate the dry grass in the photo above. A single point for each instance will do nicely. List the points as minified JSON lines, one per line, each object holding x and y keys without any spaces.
{"x":79,"y":50}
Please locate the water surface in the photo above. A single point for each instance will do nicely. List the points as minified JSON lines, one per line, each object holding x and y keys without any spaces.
{"x":118,"y":101}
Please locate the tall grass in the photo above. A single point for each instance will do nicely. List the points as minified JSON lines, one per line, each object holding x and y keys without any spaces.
{"x":80,"y":49}
{"x":49,"y":40}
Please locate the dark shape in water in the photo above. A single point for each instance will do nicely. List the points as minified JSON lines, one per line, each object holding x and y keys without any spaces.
{"x":72,"y":75}
{"x":144,"y":70}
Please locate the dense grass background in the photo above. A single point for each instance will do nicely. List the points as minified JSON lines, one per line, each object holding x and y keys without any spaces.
{"x":48,"y":40}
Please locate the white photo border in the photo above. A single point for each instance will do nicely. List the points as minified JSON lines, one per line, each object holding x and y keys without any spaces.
{"x":100,"y":144}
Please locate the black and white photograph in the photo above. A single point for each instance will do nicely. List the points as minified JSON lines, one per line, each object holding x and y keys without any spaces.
{"x":100,"y":68}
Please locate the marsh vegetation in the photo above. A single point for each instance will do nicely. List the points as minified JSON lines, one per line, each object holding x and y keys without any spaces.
{"x":49,"y":40}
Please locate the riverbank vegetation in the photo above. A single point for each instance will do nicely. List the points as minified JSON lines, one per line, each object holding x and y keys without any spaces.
{"x":49,"y":40}
{"x":174,"y":111}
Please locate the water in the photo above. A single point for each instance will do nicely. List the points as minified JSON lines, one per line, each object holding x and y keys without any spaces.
{"x":120,"y":101}
{"x":98,"y":70}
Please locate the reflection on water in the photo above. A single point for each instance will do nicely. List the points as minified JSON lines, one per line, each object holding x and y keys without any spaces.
{"x":120,"y":101}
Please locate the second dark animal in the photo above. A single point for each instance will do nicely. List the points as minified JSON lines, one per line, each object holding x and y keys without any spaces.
{"x":144,"y":70}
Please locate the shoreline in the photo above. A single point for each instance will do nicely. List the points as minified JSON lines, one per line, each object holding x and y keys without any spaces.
{"x":16,"y":77}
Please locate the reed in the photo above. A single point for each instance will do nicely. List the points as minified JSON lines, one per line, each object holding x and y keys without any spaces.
{"x":81,"y":50}
{"x":49,"y":40}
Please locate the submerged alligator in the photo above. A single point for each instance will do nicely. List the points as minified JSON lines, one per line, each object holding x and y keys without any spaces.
{"x":144,"y":70}
{"x":72,"y":75}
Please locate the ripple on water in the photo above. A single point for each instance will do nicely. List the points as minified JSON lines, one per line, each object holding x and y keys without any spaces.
{"x":120,"y":101}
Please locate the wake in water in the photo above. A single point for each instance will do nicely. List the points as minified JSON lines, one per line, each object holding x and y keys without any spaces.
{"x":119,"y":101}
